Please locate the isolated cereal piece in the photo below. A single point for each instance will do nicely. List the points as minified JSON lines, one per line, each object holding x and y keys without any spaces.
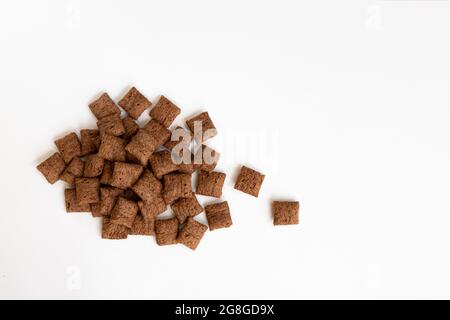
{"x":90,"y":141}
{"x":52,"y":168}
{"x":161,"y":163}
{"x":192,"y":233}
{"x":160,"y":133}
{"x":179,"y":135}
{"x":208,"y":129}
{"x":134,"y":103}
{"x":147,"y":187}
{"x":218,"y":215}
{"x":131,"y":127}
{"x":210,"y":183}
{"x":141,"y":227}
{"x":249,"y":181}
{"x":141,"y":146}
{"x":206,"y":159}
{"x":124,"y":212}
{"x":165,"y":111}
{"x":96,"y":210}
{"x":88,"y":190}
{"x":103,"y":106}
{"x":112,"y":148}
{"x":177,"y":185}
{"x":94,"y":166}
{"x":125,"y":175}
{"x":69,"y":147}
{"x":166,"y":231}
{"x":107,"y":173}
{"x":113,"y":231}
{"x":285,"y":212}
{"x":111,"y":125}
{"x":108,"y":198}
{"x":75,"y":169}
{"x":151,"y":209}
{"x":186,"y":207}
{"x":72,"y":205}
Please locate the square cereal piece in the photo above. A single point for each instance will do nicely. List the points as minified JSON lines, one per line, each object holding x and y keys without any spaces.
{"x":210,"y":183}
{"x":131,"y":127}
{"x":161,"y":163}
{"x":191,"y":234}
{"x":103,"y":106}
{"x":95,"y":210}
{"x":142,"y":146}
{"x":72,"y":205}
{"x":124,"y":212}
{"x":158,"y":132}
{"x":179,"y":135}
{"x":206,"y":159}
{"x":74,"y":170}
{"x":177,"y":185}
{"x":186,"y":207}
{"x":285,"y":212}
{"x":94,"y":166}
{"x":108,"y":198}
{"x":141,"y":227}
{"x":134,"y":103}
{"x":218,"y":215}
{"x":90,"y":141}
{"x":113,"y":231}
{"x":112,"y":148}
{"x":165,"y":111}
{"x":148,"y":187}
{"x":204,"y":125}
{"x":166,"y":231}
{"x":125,"y":175}
{"x":88,"y":190}
{"x":69,"y":146}
{"x":249,"y":181}
{"x":107,"y":173}
{"x":52,"y":168}
{"x":151,"y":209}
{"x":111,"y":125}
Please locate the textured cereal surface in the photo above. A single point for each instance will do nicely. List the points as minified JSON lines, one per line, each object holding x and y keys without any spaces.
{"x":103,"y":106}
{"x":186,"y":207}
{"x":207,"y":126}
{"x":285,"y":212}
{"x":162,"y":164}
{"x":218,"y":215}
{"x":177,"y":185}
{"x":125,"y":175}
{"x":72,"y":204}
{"x":165,"y":111}
{"x":112,"y":148}
{"x":210,"y":183}
{"x":191,"y":234}
{"x":112,"y":125}
{"x":124,"y":212}
{"x":94,"y":166}
{"x":52,"y":168}
{"x":69,"y":147}
{"x":151,"y":209}
{"x":113,"y":231}
{"x":90,"y":141}
{"x":249,"y":181}
{"x":166,"y":231}
{"x":88,"y":190}
{"x":148,"y":187}
{"x":134,"y":103}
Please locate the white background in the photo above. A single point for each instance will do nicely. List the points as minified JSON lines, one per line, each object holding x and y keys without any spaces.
{"x":344,"y":105}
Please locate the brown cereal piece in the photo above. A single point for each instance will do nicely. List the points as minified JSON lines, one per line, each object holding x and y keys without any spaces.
{"x":285,"y":212}
{"x":166,"y":231}
{"x":72,"y":205}
{"x":218,"y":215}
{"x":165,"y":111}
{"x":88,"y":190}
{"x":134,"y":103}
{"x":95,"y":210}
{"x":141,"y":227}
{"x":112,"y":148}
{"x":206,"y":159}
{"x":94,"y":166}
{"x":159,"y":133}
{"x":186,"y":207}
{"x":249,"y":181}
{"x":177,"y":185}
{"x":186,"y":168}
{"x":74,"y":170}
{"x":208,"y":130}
{"x":69,"y":146}
{"x":131,"y":195}
{"x":103,"y":107}
{"x":147,"y":187}
{"x":108,"y":196}
{"x":130,"y":126}
{"x":161,"y":163}
{"x":52,"y":168}
{"x":113,"y":231}
{"x":210,"y":183}
{"x":131,"y":159}
{"x":192,"y":233}
{"x":90,"y":141}
{"x":124,"y":212}
{"x":107,"y":173}
{"x":141,"y":146}
{"x":111,"y":125}
{"x":125,"y":175}
{"x":151,"y":209}
{"x":179,"y":135}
